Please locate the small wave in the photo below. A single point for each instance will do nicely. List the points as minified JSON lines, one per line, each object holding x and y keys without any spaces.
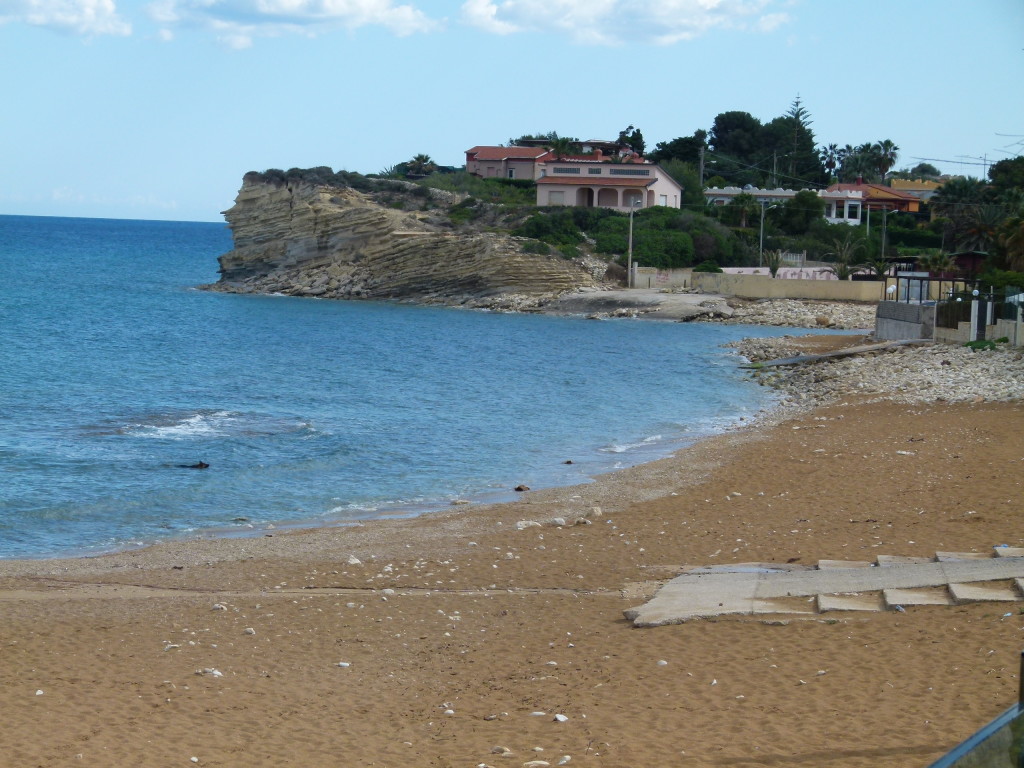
{"x":623,"y":447}
{"x":205,"y":424}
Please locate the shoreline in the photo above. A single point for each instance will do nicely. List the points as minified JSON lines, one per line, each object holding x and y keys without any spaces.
{"x":435,"y":640}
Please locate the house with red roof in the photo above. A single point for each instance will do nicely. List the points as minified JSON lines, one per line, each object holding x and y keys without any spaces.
{"x":620,"y":181}
{"x":881,"y":198}
{"x":505,"y":162}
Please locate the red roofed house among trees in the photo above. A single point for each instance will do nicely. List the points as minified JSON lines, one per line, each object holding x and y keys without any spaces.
{"x":504,"y":162}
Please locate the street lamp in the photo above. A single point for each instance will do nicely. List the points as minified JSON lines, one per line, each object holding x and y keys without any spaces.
{"x":885,"y":215}
{"x":760,"y":257}
{"x":633,"y":205}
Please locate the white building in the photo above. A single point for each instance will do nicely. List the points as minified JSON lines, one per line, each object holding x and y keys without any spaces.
{"x":841,"y":206}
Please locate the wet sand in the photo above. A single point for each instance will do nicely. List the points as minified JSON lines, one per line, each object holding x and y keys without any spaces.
{"x":102,"y":659}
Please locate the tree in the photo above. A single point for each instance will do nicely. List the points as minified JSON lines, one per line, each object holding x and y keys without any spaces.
{"x":530,"y":139}
{"x":632,"y":138}
{"x":737,"y":135}
{"x":843,"y":254}
{"x":925,"y":171}
{"x":830,"y":158}
{"x":878,"y":266}
{"x":1007,"y":174}
{"x":979,"y":225}
{"x":685,"y":148}
{"x":562,"y":146}
{"x":420,"y":165}
{"x":1011,"y":243}
{"x":773,"y":260}
{"x":739,"y":210}
{"x":885,"y":153}
{"x":800,"y":210}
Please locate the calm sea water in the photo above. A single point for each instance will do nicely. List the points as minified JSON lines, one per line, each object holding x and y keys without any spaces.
{"x":114,"y":371}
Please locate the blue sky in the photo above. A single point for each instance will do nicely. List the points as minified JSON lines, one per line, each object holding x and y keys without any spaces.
{"x":155,"y":110}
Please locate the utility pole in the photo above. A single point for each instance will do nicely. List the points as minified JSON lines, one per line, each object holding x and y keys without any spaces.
{"x":701,"y":165}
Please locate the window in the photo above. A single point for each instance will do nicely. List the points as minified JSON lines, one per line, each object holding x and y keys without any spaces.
{"x":853,"y":211}
{"x":594,"y":171}
{"x":556,"y":197}
{"x":663,"y":200}
{"x":566,"y":170}
{"x":629,"y":172}
{"x":838,"y":213}
{"x":511,"y":173}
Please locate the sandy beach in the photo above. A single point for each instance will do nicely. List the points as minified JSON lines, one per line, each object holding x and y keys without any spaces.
{"x":455,"y":639}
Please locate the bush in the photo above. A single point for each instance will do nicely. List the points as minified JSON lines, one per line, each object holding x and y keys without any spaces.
{"x":536,"y":246}
{"x":553,"y":226}
{"x":569,"y":251}
{"x":707,"y":266}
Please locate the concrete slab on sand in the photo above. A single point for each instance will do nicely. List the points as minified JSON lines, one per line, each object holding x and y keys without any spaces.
{"x":700,"y":595}
{"x":973,"y":593}
{"x":855,"y":602}
{"x":929,"y":596}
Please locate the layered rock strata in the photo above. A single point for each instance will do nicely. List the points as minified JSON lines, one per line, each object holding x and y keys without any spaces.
{"x":310,"y":240}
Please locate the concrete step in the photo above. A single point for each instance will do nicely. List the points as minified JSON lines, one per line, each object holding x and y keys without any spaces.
{"x":945,"y":557}
{"x":925,"y":596}
{"x":887,"y":560}
{"x":851,"y":601}
{"x":999,"y":591}
{"x":825,"y":564}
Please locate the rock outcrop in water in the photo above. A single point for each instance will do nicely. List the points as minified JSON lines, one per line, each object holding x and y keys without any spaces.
{"x":304,"y":238}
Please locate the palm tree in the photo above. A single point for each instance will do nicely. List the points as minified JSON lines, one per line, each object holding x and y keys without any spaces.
{"x":885,"y":154}
{"x":843,"y":254}
{"x":421,"y":165}
{"x":741,"y":207}
{"x":1011,"y":241}
{"x":773,"y":260}
{"x":956,"y":193}
{"x":980,"y":223}
{"x":937,"y":263}
{"x":877,"y":266}
{"x":561,"y":146}
{"x":830,"y":158}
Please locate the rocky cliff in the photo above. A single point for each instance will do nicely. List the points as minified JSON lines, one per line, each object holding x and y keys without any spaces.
{"x":308,"y":239}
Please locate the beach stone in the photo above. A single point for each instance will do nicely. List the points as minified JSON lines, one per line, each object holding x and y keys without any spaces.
{"x":353,"y":560}
{"x":520,"y":488}
{"x":523,"y":524}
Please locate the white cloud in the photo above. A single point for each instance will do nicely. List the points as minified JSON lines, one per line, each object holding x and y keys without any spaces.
{"x":612,"y":22}
{"x":238,"y":22}
{"x":483,"y":14}
{"x":82,"y":17}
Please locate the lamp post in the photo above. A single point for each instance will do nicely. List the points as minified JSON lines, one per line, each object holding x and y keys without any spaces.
{"x":760,"y":255}
{"x":634,"y":204}
{"x":885,"y":215}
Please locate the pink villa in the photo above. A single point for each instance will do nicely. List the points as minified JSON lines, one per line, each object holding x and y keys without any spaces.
{"x":620,"y":182}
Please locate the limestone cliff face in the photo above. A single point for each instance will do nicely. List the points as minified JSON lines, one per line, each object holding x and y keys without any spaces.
{"x":313,"y":240}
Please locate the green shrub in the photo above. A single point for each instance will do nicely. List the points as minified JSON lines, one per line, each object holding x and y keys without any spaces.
{"x":707,"y":266}
{"x":569,"y":251}
{"x":536,"y":246}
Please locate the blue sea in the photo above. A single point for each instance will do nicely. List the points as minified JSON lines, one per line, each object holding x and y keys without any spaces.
{"x":115,"y":372}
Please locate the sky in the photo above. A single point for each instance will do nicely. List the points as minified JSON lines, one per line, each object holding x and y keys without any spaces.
{"x":155,"y":110}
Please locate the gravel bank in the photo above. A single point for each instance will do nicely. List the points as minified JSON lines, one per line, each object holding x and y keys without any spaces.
{"x":920,"y":374}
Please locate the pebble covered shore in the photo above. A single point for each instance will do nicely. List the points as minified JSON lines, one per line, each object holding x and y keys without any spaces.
{"x":918,"y":374}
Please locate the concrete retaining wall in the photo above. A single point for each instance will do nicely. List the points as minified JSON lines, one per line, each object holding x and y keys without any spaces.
{"x":898,"y":320}
{"x":765,"y":287}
